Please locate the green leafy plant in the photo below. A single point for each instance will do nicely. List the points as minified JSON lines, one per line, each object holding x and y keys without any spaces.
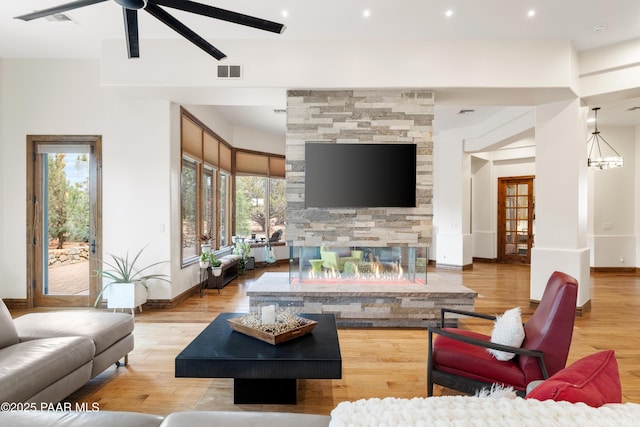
{"x":213,"y":262}
{"x":122,"y":269}
{"x":242,"y":249}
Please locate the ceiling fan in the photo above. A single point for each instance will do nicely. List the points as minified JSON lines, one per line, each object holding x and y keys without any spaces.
{"x":130,"y":11}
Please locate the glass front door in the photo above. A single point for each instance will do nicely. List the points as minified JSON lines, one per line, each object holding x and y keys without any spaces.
{"x":64,"y":226}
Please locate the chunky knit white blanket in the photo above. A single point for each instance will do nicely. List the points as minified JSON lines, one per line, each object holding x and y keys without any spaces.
{"x":468,"y":411}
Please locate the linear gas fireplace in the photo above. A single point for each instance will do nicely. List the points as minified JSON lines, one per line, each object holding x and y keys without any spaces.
{"x":358,"y":265}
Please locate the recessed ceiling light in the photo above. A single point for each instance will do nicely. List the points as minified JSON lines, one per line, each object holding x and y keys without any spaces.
{"x":284,"y":13}
{"x":366,"y":13}
{"x":531,"y":13}
{"x":448,"y":13}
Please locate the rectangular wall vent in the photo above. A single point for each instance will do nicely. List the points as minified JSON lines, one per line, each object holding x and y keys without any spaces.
{"x":229,"y":72}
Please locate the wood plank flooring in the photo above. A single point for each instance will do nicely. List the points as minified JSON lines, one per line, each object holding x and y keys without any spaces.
{"x":376,"y":362}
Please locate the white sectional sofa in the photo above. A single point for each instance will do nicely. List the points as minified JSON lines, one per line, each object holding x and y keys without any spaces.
{"x":44,"y":357}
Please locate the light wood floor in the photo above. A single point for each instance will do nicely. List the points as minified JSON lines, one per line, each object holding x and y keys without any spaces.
{"x":376,"y":362}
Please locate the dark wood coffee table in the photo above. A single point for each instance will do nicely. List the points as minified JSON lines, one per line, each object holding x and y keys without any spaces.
{"x":261,"y":372}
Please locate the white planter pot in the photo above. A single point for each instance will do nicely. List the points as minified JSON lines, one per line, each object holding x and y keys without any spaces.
{"x":205,"y":247}
{"x":204,"y":264}
{"x":217,"y":271}
{"x":126,"y":295}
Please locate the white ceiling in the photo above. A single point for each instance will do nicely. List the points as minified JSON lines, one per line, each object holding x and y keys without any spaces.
{"x":618,"y":20}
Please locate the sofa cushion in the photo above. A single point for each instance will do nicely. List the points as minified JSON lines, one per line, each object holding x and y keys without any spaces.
{"x":244,"y":419}
{"x":507,"y":330}
{"x":104,"y":328}
{"x":8,"y":333}
{"x":78,"y":419}
{"x":593,"y":380}
{"x":28,"y":367}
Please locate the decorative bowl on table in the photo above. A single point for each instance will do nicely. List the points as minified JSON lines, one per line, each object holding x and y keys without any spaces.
{"x":286,"y":327}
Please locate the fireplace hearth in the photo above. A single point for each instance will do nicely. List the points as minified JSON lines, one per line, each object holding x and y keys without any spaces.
{"x":329,"y":283}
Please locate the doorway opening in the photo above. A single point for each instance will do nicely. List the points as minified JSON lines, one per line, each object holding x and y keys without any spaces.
{"x":64,"y":220}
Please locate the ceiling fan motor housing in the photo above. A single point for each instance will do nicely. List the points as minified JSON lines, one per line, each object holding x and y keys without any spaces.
{"x":132,"y":4}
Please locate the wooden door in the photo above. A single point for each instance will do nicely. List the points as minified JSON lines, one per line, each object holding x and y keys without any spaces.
{"x":515,"y":219}
{"x":64,"y":221}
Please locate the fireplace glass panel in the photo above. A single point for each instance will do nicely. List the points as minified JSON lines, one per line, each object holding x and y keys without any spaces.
{"x":357,"y":264}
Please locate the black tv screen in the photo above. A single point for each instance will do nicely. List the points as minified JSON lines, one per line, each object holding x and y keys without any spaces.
{"x":360,"y":175}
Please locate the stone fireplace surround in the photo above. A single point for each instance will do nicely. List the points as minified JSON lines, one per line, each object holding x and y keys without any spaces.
{"x":361,"y":116}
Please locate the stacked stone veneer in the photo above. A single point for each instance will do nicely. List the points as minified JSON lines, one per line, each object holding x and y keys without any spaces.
{"x":359,"y":116}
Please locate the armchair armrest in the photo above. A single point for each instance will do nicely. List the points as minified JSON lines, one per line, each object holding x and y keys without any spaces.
{"x":444,"y":310}
{"x":488,"y":344}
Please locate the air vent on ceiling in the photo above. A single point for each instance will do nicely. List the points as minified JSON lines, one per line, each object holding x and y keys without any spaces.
{"x":229,"y":72}
{"x":280,"y":110}
{"x":467,"y":111}
{"x":58,"y":17}
{"x":633,"y":108}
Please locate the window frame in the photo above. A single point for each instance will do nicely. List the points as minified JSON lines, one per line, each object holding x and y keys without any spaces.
{"x":202,"y":147}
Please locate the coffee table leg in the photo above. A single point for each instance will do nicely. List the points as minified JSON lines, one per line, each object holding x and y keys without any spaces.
{"x":281,"y":391}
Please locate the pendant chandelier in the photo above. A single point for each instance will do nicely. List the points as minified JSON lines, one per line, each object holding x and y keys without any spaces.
{"x":597,"y":159}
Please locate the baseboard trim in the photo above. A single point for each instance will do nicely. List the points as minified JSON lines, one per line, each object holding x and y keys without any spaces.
{"x":486,"y":260}
{"x":454,"y":267}
{"x":580,"y":311}
{"x":16,"y":303}
{"x":173,"y":302}
{"x":614,"y":269}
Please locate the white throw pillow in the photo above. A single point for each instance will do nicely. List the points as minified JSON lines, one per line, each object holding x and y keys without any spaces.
{"x":508,"y":330}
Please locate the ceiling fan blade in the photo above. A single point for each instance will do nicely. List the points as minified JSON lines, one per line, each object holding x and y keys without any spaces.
{"x":131,"y":28}
{"x":183,"y":30}
{"x":58,"y":9}
{"x":222,"y":14}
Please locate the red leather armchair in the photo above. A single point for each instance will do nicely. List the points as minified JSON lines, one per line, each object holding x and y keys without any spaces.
{"x":459,"y":359}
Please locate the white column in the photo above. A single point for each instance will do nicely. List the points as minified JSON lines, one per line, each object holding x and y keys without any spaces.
{"x":561,"y":197}
{"x":452,"y":186}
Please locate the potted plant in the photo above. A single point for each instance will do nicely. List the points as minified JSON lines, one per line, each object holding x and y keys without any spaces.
{"x":216,"y":264}
{"x":204,"y":259}
{"x":205,"y":242}
{"x":127,"y":285}
{"x":242,"y":248}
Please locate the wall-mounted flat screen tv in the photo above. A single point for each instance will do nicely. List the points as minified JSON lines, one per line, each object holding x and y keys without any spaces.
{"x":360,"y":175}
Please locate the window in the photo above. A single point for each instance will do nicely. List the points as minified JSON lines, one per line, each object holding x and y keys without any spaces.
{"x":224,"y":210}
{"x":260,"y":197}
{"x":205,"y":183}
{"x":189,"y":192}
{"x":208,"y":203}
{"x":214,"y":178}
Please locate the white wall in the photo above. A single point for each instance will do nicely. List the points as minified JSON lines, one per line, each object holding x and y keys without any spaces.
{"x":611,"y":229}
{"x":487,"y":168}
{"x":62,"y":97}
{"x":251,"y":139}
{"x":5,"y":245}
{"x":140,"y":169}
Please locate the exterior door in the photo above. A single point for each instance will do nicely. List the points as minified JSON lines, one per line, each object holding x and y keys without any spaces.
{"x":515,"y":219}
{"x":64,"y":227}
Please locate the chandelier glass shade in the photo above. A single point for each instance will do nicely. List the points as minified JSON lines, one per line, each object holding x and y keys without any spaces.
{"x":601,"y":154}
